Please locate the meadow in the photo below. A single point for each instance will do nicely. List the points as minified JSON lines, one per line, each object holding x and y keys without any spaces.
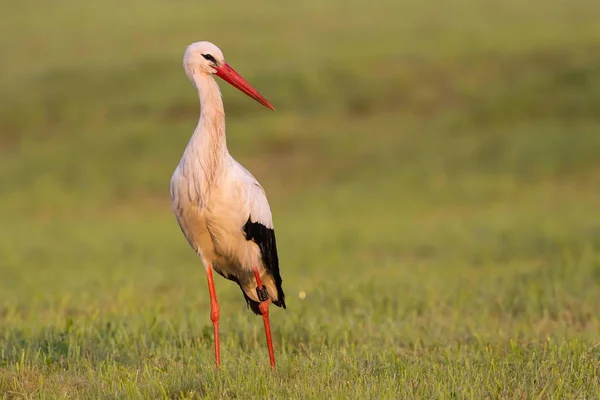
{"x":433,"y":170}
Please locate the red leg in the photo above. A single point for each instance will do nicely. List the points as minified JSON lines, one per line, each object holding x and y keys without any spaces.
{"x":214,"y":313}
{"x":264,"y":310}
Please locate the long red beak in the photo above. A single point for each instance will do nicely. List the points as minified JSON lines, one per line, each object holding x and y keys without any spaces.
{"x":229,"y":74}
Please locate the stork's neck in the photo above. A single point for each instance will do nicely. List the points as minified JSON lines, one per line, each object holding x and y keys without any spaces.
{"x":208,"y":145}
{"x":211,"y":102}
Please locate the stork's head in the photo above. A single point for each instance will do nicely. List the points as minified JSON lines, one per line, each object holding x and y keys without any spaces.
{"x":207,"y":59}
{"x":202,"y":57}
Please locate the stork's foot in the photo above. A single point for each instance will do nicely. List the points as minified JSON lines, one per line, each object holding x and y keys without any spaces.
{"x":264,"y":310}
{"x":263,"y":306}
{"x":215,"y":312}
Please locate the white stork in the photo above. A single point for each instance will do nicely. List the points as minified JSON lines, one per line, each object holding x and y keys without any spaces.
{"x":220,"y":207}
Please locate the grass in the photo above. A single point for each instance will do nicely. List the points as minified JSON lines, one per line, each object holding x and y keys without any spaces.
{"x":432,"y":169}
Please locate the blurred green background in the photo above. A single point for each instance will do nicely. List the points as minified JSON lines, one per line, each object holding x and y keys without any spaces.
{"x":433,"y":170}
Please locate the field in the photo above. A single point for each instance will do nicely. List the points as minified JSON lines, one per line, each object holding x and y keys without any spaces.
{"x":433,"y":170}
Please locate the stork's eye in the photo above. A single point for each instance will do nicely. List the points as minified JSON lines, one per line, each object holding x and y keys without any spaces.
{"x":209,"y":58}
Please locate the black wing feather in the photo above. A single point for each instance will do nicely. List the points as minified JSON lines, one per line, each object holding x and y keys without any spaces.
{"x":265,"y":239}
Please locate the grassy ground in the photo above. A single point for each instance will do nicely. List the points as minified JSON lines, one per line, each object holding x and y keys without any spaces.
{"x":433,"y":169}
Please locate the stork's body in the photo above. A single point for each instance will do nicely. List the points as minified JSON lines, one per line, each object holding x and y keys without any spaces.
{"x":220,"y":207}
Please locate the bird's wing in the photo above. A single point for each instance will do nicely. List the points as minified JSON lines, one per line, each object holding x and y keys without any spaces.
{"x":256,"y":206}
{"x":258,"y":227}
